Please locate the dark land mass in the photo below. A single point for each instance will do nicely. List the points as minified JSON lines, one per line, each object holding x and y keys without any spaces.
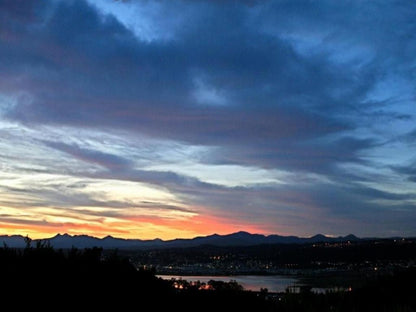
{"x":41,"y":277}
{"x":354,"y":256}
{"x":234,"y":239}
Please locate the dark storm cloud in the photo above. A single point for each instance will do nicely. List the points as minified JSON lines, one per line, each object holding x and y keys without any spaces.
{"x":86,"y":69}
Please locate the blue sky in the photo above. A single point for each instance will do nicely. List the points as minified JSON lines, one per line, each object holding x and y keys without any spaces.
{"x":178,"y":118}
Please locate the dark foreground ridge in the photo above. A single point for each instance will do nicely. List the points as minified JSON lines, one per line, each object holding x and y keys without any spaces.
{"x":42,"y":277}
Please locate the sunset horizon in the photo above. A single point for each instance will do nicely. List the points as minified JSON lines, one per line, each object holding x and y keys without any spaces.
{"x":42,"y":236}
{"x":238,"y":234}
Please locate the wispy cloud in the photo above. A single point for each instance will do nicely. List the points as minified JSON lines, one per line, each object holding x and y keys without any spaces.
{"x":290,"y":116}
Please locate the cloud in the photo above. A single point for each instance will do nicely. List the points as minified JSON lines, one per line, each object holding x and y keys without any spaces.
{"x":42,"y":223}
{"x":407,"y":170}
{"x":131,"y":84}
{"x":119,"y":81}
{"x":317,"y":91}
{"x":109,"y":161}
{"x":337,"y":206}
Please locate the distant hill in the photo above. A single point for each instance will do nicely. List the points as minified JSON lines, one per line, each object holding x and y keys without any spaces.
{"x":109,"y":242}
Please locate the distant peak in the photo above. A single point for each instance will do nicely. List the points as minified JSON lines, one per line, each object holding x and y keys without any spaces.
{"x":213,"y":235}
{"x":63,"y":235}
{"x":319,"y":236}
{"x":351,"y":236}
{"x":242,"y":233}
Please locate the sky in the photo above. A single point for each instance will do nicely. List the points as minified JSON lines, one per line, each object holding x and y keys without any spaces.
{"x":175,"y":119}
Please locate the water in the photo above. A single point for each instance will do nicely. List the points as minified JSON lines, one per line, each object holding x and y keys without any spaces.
{"x":273,"y":283}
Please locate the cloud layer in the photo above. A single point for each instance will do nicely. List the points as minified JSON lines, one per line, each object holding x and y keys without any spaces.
{"x":274,"y":116}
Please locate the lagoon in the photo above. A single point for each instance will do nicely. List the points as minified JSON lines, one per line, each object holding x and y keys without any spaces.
{"x":273,"y":283}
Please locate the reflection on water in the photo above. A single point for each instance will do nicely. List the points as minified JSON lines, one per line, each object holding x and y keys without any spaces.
{"x":273,"y":283}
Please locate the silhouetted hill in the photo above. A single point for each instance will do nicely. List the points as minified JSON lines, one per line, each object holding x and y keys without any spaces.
{"x":234,"y":239}
{"x":15,"y":241}
{"x":85,"y":241}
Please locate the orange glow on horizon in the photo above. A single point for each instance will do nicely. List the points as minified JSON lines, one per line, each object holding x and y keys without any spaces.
{"x":134,"y":228}
{"x":198,"y":225}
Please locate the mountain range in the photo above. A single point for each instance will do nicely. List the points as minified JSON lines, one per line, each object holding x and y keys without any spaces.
{"x":109,"y":242}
